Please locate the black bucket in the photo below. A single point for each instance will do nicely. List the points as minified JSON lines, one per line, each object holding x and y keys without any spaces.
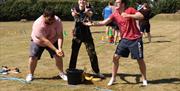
{"x":75,"y":76}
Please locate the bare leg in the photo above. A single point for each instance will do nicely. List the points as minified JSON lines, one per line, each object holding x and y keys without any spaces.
{"x":149,"y":36}
{"x":59,"y":63}
{"x":142,"y":67}
{"x":107,"y":31}
{"x":32,"y":64}
{"x":115,"y":36}
{"x":114,"y":69}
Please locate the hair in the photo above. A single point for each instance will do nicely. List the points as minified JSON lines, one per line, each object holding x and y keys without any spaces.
{"x":146,"y":5}
{"x":111,"y":2}
{"x":139,"y":2}
{"x":49,"y":12}
{"x":125,"y":2}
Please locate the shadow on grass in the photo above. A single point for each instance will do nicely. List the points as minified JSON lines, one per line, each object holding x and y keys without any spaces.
{"x":157,"y":36}
{"x":122,"y":76}
{"x":165,"y":80}
{"x":159,"y":41}
{"x":138,"y":76}
{"x":85,"y":82}
{"x":48,"y":78}
{"x":98,"y":32}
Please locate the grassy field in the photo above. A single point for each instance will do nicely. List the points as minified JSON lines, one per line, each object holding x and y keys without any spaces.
{"x":162,"y":58}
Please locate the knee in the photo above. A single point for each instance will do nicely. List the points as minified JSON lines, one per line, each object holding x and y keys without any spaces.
{"x":116,"y":59}
{"x":33,"y":59}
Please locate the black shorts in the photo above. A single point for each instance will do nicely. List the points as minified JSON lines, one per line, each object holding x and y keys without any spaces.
{"x":135,"y":47}
{"x":145,"y":28}
{"x":36,"y":50}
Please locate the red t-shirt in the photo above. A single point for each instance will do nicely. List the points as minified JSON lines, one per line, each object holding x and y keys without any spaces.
{"x":127,"y":26}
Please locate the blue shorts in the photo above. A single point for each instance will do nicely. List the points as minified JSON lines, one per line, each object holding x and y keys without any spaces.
{"x":36,"y":50}
{"x":135,"y":47}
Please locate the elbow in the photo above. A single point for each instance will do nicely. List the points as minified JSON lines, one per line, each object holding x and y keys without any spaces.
{"x":142,"y":17}
{"x":41,"y":40}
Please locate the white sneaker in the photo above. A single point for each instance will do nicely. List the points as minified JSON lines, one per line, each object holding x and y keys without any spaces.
{"x":111,"y":82}
{"x":100,"y":75}
{"x":29,"y":77}
{"x":63,"y":76}
{"x":144,"y":83}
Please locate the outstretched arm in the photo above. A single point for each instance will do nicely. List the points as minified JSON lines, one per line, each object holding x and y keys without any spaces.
{"x":101,"y":23}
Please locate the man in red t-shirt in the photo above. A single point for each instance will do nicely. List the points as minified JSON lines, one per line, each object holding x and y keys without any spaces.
{"x":131,"y":38}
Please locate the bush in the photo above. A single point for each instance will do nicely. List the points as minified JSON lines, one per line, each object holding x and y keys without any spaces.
{"x":165,"y":6}
{"x":32,"y":9}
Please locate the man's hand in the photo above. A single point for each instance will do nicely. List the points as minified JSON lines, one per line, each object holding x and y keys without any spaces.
{"x":87,"y":10}
{"x":74,"y":12}
{"x":60,"y":53}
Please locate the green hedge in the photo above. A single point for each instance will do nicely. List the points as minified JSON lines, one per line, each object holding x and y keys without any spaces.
{"x":12,"y":10}
{"x":166,"y":6}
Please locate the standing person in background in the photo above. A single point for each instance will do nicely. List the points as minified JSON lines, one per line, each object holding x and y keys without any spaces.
{"x":107,"y":11}
{"x":131,"y":38}
{"x":82,"y":34}
{"x":144,"y":23}
{"x":139,"y":5}
{"x":47,"y":33}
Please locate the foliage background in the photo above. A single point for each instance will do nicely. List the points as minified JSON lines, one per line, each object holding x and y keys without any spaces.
{"x":14,"y":10}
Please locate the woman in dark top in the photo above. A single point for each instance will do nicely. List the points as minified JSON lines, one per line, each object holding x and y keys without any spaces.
{"x":144,"y":23}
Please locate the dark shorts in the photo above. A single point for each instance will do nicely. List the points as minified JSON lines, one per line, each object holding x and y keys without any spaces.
{"x":145,"y":28}
{"x":113,"y":25}
{"x":135,"y":47}
{"x":36,"y":50}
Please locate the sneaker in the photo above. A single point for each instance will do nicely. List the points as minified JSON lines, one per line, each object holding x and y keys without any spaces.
{"x":29,"y":77}
{"x":63,"y":76}
{"x":100,"y":75}
{"x":144,"y":83}
{"x":111,"y":82}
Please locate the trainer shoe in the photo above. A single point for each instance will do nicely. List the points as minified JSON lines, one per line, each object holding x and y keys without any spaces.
{"x":63,"y":76}
{"x":144,"y":83}
{"x":29,"y":77}
{"x":99,"y":75}
{"x":111,"y":82}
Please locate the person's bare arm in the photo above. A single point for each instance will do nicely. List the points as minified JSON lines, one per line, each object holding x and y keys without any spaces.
{"x":88,"y":12}
{"x":137,"y":16}
{"x":46,"y":42}
{"x":74,"y":13}
{"x":61,"y":40}
{"x":101,"y":23}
